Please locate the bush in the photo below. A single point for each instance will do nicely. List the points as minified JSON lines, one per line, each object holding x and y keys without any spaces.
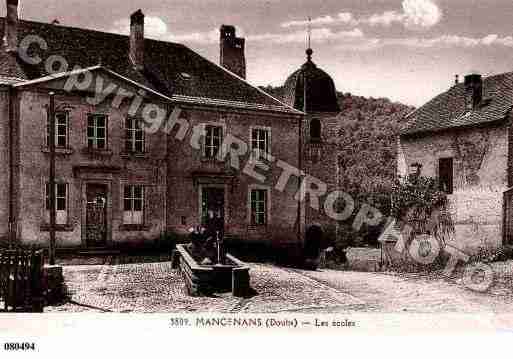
{"x":417,"y":201}
{"x":490,"y":255}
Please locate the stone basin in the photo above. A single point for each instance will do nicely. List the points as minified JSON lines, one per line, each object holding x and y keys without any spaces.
{"x":208,"y":279}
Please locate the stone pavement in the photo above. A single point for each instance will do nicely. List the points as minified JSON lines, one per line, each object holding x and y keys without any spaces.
{"x":155,"y":287}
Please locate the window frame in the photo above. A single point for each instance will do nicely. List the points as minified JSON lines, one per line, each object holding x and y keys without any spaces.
{"x":56,"y":134}
{"x":450,"y":180}
{"x":95,"y":126}
{"x":253,"y":211}
{"x":62,"y":215}
{"x":206,"y":146}
{"x":129,"y":216}
{"x":256,"y":152}
{"x":131,"y":135}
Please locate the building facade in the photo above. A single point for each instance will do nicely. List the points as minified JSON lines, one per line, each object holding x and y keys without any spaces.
{"x":463,"y":138}
{"x":150,"y":138}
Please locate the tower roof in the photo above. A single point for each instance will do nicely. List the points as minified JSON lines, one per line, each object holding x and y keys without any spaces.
{"x":321,"y":95}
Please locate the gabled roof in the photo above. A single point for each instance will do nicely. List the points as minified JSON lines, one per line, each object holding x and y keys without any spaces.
{"x":448,"y":110}
{"x":174,"y":98}
{"x":170,"y":68}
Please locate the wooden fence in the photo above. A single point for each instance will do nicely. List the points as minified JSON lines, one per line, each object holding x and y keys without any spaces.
{"x":21,"y":280}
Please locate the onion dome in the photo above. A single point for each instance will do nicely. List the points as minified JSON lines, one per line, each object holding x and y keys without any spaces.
{"x":321,"y":95}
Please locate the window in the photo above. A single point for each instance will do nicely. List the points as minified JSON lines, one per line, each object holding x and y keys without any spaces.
{"x":260,"y":141}
{"x":213,"y":140}
{"x":134,"y":135}
{"x":258,"y":207}
{"x":445,"y":175}
{"x":97,"y":132}
{"x":133,"y":204}
{"x":315,"y":130}
{"x":61,"y":130}
{"x":61,"y":205}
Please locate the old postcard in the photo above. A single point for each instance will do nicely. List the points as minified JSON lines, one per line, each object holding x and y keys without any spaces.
{"x":178,"y":168}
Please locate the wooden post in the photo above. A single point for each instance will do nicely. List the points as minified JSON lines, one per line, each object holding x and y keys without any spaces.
{"x":51,"y":194}
{"x":36,"y":278}
{"x":14,"y":294}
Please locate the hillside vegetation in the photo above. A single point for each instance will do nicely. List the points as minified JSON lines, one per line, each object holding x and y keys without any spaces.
{"x":367,"y":152}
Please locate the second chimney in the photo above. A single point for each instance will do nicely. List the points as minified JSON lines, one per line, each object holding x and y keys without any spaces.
{"x":473,"y":91}
{"x":137,"y":39}
{"x":11,"y":26}
{"x":232,"y":51}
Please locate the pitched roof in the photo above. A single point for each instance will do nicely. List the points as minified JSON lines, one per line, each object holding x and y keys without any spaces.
{"x":448,"y":110}
{"x":170,"y":68}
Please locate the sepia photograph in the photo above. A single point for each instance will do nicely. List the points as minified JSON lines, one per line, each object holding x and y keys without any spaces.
{"x":331,"y":167}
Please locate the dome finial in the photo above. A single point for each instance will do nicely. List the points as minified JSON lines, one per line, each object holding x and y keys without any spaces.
{"x":309,"y":53}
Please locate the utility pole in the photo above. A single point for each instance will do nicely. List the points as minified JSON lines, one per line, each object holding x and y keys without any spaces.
{"x":51,"y":194}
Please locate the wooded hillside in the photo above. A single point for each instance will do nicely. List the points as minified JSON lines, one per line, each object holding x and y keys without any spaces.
{"x":367,"y":150}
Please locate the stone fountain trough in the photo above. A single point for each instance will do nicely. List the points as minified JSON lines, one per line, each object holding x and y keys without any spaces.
{"x":203,"y":279}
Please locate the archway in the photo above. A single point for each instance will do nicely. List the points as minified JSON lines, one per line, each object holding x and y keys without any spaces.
{"x":313,"y":240}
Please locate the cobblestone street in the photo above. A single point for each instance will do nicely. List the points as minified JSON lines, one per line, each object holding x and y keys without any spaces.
{"x":155,"y":287}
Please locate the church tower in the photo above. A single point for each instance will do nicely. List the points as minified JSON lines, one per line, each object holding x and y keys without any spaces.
{"x":312,"y":91}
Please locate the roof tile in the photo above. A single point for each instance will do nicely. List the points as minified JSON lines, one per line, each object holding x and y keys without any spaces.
{"x":171,"y":69}
{"x":448,"y":110}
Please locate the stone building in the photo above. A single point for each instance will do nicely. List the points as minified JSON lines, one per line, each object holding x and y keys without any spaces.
{"x":119,"y":179}
{"x":463,"y":137}
{"x":312,"y":90}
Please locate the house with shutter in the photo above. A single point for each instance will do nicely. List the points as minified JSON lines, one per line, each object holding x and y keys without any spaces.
{"x":463,"y":138}
{"x":119,"y":179}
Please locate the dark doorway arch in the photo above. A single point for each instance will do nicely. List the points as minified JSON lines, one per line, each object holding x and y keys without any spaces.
{"x":315,"y":130}
{"x":313,"y":241}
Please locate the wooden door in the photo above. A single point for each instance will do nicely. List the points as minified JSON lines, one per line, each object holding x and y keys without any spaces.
{"x":96,"y":215}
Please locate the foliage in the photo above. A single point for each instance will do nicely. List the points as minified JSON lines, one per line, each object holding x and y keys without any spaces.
{"x":367,"y":148}
{"x":417,"y":200}
{"x":490,"y":255}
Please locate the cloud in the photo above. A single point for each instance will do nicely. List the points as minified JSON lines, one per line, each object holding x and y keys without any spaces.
{"x":385,"y":19}
{"x":421,"y":13}
{"x":341,"y":18}
{"x":156,"y":28}
{"x":209,"y":37}
{"x":415,"y":14}
{"x":444,"y":41}
{"x":321,"y":35}
{"x":354,"y":39}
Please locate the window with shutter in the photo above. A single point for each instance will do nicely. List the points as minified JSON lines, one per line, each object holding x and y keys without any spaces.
{"x":445,"y":175}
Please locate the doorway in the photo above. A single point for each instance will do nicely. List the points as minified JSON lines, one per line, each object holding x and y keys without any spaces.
{"x":212,"y":209}
{"x":96,"y":215}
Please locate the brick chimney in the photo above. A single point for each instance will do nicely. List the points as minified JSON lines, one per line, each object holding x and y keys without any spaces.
{"x":232,"y":51}
{"x":11,"y":27}
{"x":137,"y":39}
{"x":473,"y":91}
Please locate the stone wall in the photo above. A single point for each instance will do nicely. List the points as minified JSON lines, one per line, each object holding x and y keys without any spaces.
{"x":188,"y":172}
{"x":320,"y":161}
{"x":171,"y":171}
{"x":480,"y":178}
{"x":77,"y":167}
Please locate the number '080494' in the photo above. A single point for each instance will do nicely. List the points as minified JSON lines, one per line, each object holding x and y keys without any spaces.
{"x":19,"y":346}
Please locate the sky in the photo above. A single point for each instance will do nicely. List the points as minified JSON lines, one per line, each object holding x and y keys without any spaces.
{"x":404,"y":50}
